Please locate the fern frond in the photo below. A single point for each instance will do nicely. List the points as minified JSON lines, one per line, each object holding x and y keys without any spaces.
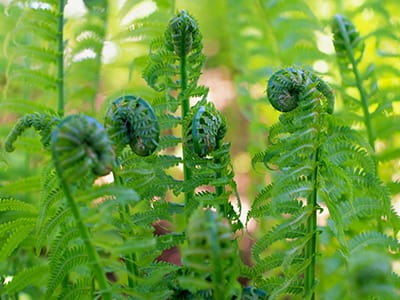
{"x":81,"y":289}
{"x":368,"y":239}
{"x":71,"y":258}
{"x":34,"y":276}
{"x":52,"y":224}
{"x":293,"y":228}
{"x":43,"y":123}
{"x":13,"y":233}
{"x":10,"y":204}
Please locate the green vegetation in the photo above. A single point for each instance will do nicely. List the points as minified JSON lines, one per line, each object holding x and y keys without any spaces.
{"x":225,"y":150}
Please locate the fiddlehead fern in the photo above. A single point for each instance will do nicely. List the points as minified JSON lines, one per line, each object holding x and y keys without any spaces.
{"x":210,"y":256}
{"x":287,"y":85}
{"x":349,"y":51}
{"x":183,"y":34}
{"x":318,"y":162}
{"x":80,"y":146}
{"x":43,"y":123}
{"x":132,"y":121}
{"x":205,"y":129}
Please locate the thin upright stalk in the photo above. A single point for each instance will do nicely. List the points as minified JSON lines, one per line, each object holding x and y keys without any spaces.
{"x":311,"y":247}
{"x":360,"y":87}
{"x":185,"y":108}
{"x":84,"y":233}
{"x":130,"y":260}
{"x":60,"y":58}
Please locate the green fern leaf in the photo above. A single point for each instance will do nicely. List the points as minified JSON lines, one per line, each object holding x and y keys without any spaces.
{"x":35,"y":276}
{"x":71,"y":258}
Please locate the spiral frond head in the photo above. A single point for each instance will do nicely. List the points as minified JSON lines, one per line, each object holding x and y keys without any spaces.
{"x":182,"y":34}
{"x":344,"y":32}
{"x":205,"y":128}
{"x":131,"y":120}
{"x":287,"y":87}
{"x":81,"y":146}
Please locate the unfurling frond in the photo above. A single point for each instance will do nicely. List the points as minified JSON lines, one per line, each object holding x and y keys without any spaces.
{"x":132,"y":121}
{"x":81,"y":146}
{"x":43,"y":123}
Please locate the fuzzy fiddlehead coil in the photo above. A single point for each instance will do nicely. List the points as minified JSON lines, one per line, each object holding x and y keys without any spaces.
{"x":182,"y":34}
{"x":205,"y":128}
{"x":210,"y":255}
{"x":80,"y":147}
{"x":132,"y":121}
{"x":286,"y":88}
{"x":41,"y":122}
{"x":346,"y":40}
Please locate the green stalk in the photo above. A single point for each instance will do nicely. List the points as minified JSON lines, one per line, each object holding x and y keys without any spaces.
{"x":130,"y":260}
{"x":185,"y":107}
{"x":311,"y":247}
{"x":360,"y":87}
{"x":218,"y":277}
{"x":60,"y":58}
{"x":84,"y":233}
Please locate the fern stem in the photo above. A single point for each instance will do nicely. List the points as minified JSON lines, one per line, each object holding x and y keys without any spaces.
{"x":84,"y":233}
{"x":311,"y":248}
{"x":360,"y":87}
{"x":130,"y":260}
{"x":218,"y":278}
{"x":60,"y":58}
{"x":185,"y":107}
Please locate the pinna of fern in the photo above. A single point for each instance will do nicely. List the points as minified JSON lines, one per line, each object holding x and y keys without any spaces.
{"x":317,"y":161}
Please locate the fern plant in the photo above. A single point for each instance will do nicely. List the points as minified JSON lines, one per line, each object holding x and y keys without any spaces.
{"x":319,"y":164}
{"x":174,"y":69}
{"x":88,"y":233}
{"x":375,"y":104}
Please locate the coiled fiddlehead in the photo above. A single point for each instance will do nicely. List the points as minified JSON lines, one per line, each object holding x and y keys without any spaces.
{"x":210,"y":255}
{"x":132,"y":121}
{"x":286,"y":85}
{"x":43,"y":123}
{"x":205,"y":128}
{"x":346,"y":39}
{"x":81,"y":146}
{"x":182,"y":34}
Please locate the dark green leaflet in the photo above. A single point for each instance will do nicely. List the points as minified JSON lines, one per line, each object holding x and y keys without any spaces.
{"x":132,"y":121}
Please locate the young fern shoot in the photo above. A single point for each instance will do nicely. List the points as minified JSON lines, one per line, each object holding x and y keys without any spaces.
{"x":174,"y":69}
{"x":317,"y":162}
{"x":80,"y":148}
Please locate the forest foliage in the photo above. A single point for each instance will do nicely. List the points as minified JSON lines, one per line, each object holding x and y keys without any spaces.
{"x":175,"y":150}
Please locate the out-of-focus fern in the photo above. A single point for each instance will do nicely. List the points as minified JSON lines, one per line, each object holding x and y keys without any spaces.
{"x":36,"y":48}
{"x":320,"y":162}
{"x":174,"y":68}
{"x":210,"y":257}
{"x":85,"y":57}
{"x":366,"y":90}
